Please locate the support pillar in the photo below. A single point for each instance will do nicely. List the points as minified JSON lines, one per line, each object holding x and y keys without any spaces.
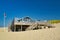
{"x":14,"y":28}
{"x":21,"y":27}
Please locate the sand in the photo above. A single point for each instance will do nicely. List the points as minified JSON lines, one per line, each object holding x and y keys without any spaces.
{"x":41,"y":34}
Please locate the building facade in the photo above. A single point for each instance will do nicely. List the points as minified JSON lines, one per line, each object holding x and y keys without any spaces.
{"x":27,"y":23}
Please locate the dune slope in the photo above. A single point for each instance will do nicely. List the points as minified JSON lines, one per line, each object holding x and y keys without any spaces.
{"x":41,"y":34}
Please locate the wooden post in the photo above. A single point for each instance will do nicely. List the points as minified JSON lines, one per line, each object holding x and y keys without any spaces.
{"x":21,"y":27}
{"x":14,"y":28}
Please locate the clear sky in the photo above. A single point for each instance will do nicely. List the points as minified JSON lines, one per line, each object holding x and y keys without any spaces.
{"x":36,"y":9}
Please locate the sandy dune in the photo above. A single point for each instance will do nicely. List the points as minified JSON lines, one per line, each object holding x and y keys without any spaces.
{"x":41,"y":34}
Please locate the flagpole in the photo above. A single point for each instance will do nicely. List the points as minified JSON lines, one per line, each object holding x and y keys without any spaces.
{"x":4,"y":21}
{"x":4,"y":24}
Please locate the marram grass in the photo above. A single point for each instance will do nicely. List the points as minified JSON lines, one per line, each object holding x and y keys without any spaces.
{"x":54,"y":21}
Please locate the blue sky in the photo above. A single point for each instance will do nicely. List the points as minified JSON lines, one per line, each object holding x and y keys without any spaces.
{"x":36,"y":9}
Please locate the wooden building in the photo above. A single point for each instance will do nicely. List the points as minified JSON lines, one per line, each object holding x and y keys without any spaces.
{"x":26,"y":23}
